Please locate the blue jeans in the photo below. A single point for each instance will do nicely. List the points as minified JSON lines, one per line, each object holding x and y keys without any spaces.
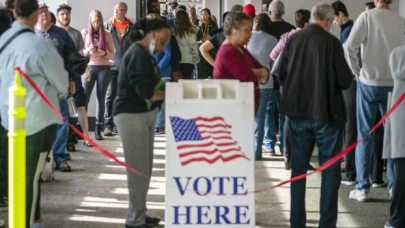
{"x":304,"y":133}
{"x":370,"y":100}
{"x":270,"y":125}
{"x":160,"y":122}
{"x":263,"y":117}
{"x":62,"y":134}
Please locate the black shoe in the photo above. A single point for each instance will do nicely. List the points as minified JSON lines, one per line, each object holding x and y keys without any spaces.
{"x":152,"y":221}
{"x":108,"y":131}
{"x":115,"y":130}
{"x":97,"y":132}
{"x":287,"y":164}
{"x":71,"y":148}
{"x":310,"y":167}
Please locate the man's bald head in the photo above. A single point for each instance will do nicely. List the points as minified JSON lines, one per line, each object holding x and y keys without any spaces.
{"x":120,"y":11}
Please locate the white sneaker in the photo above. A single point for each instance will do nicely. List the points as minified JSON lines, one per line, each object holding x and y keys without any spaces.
{"x":38,"y":225}
{"x":2,"y":223}
{"x":360,"y":195}
{"x":390,"y":192}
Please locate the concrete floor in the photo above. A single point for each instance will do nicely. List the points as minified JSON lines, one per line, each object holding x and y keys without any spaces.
{"x":94,"y":195}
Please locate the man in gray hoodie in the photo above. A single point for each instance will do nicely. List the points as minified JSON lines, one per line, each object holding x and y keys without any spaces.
{"x":375,"y":31}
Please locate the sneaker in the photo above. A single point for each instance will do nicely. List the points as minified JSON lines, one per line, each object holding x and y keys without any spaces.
{"x":38,"y":225}
{"x":152,"y":221}
{"x":287,"y":164}
{"x":140,"y":226}
{"x":3,"y":205}
{"x":311,"y":167}
{"x":388,"y":225}
{"x":272,"y":152}
{"x":348,"y":181}
{"x":160,"y":131}
{"x":71,"y":148}
{"x":108,"y":131}
{"x":360,"y":195}
{"x":379,"y":185}
{"x":2,"y":223}
{"x":63,"y":167}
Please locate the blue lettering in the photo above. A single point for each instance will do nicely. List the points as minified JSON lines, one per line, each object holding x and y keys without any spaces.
{"x":223,"y":215}
{"x":239,"y":214}
{"x":177,"y":215}
{"x":200,"y":215}
{"x":221,"y":184}
{"x":182,"y":189}
{"x":208,"y":187}
{"x":237,"y":185}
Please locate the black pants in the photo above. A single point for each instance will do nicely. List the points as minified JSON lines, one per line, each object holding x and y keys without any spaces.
{"x":38,"y":147}
{"x":109,"y":100}
{"x":378,"y":162}
{"x":102,"y":76}
{"x":397,"y":210}
{"x":350,"y":135}
{"x":187,"y":70}
{"x":3,"y":162}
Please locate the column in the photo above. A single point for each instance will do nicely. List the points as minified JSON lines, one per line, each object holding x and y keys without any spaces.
{"x":402,"y":8}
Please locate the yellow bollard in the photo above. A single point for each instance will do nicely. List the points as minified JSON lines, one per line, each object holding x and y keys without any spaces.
{"x":17,"y":154}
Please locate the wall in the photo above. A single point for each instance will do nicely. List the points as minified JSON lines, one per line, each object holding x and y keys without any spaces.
{"x":401,"y":7}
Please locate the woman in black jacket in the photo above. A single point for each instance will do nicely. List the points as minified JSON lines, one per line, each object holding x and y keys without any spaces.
{"x":140,"y":93}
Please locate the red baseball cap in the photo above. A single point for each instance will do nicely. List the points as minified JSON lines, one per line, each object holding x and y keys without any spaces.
{"x":249,"y":9}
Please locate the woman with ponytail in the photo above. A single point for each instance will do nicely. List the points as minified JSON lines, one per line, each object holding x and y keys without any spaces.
{"x":100,"y":47}
{"x":140,"y":94}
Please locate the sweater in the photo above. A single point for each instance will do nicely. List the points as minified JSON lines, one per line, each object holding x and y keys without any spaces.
{"x":378,"y":32}
{"x":101,"y":60}
{"x":394,"y":142}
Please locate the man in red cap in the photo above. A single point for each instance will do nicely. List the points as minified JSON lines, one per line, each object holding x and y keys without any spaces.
{"x":249,"y":9}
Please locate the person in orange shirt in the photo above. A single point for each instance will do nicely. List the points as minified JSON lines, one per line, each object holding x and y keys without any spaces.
{"x":119,"y":27}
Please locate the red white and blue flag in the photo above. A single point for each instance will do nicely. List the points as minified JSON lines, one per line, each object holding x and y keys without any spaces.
{"x":205,"y":140}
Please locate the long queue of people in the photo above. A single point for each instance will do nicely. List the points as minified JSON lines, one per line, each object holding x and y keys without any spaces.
{"x":309,"y":86}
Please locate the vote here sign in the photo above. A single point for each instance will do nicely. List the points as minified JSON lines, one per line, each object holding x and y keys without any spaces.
{"x":209,"y":158}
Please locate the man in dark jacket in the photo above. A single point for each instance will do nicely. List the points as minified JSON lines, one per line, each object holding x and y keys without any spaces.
{"x":315,"y":75}
{"x":119,"y":26}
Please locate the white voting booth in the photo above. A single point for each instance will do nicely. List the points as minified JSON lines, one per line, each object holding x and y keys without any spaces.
{"x":210,"y":157}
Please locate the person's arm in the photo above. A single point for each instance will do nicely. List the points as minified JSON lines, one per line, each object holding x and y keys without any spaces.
{"x":86,"y":49}
{"x":51,"y":65}
{"x":109,"y":52}
{"x":261,"y":72}
{"x":80,"y":44}
{"x":357,"y":36}
{"x":205,"y":49}
{"x":344,"y":76}
{"x":139,"y":68}
{"x":68,"y":51}
{"x":235,"y":62}
{"x":165,"y":61}
{"x":278,"y":49}
{"x":205,"y":38}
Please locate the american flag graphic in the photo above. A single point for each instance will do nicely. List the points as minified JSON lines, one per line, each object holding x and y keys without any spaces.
{"x":205,"y":140}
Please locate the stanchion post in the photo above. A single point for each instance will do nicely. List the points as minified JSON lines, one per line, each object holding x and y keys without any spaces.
{"x":17,"y":154}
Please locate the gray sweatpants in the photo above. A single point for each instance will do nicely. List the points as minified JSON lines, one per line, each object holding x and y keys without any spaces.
{"x":137,"y":133}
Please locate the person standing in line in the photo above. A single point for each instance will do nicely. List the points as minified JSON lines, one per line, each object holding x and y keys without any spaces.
{"x":63,"y":14}
{"x":343,"y":20}
{"x":375,"y":31}
{"x":65,"y":46}
{"x":313,"y":78}
{"x":302,"y":17}
{"x":119,"y":27}
{"x":187,"y":40}
{"x":261,"y":38}
{"x":394,"y":143}
{"x":99,"y":45}
{"x":39,"y":59}
{"x":192,"y":13}
{"x":135,"y":119}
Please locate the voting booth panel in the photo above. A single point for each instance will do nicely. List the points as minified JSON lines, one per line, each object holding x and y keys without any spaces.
{"x":210,"y":158}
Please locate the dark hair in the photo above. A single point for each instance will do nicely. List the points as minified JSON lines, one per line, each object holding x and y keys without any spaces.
{"x":263,"y":23}
{"x":302,"y":17}
{"x":224,"y":16}
{"x":370,"y":5}
{"x":53,"y":18}
{"x":233,"y":20}
{"x":237,"y":8}
{"x":339,"y":6}
{"x":144,"y":26}
{"x":24,"y":8}
{"x":206,"y":9}
{"x":182,"y":7}
{"x":183,"y":24}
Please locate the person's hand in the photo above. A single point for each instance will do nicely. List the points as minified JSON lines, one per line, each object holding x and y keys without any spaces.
{"x":201,"y":22}
{"x":90,"y":50}
{"x":357,"y":77}
{"x":264,"y":77}
{"x":87,"y":75}
{"x":72,"y":87}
